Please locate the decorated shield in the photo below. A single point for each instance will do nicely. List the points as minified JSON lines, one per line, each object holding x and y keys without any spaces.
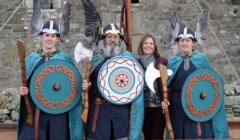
{"x":56,"y":86}
{"x":121,"y":80}
{"x":202,"y":95}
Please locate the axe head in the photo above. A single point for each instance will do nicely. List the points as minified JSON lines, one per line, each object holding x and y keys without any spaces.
{"x":152,"y":74}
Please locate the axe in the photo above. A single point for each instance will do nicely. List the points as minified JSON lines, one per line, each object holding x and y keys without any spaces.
{"x":80,"y":53}
{"x":150,"y":76}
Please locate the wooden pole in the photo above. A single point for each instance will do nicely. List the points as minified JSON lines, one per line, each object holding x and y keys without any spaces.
{"x":128,"y":16}
{"x":22,"y":55}
{"x":164,"y":77}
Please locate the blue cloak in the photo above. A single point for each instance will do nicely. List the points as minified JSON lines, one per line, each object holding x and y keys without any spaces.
{"x":75,"y":122}
{"x":200,"y":60}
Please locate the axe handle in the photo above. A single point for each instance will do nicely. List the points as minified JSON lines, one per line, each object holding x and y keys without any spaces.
{"x":22,"y":55}
{"x":168,"y":121}
{"x":164,"y":77}
{"x":86,"y":103}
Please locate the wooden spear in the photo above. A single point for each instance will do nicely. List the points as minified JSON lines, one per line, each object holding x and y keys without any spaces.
{"x":22,"y":55}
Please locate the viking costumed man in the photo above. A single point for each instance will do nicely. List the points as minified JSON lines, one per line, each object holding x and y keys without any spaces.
{"x":111,"y":121}
{"x":106,"y":120}
{"x":49,"y":124}
{"x":183,"y":64}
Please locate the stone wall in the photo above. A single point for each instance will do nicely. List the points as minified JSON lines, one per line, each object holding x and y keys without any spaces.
{"x":149,"y":16}
{"x":232,"y":102}
{"x":9,"y":106}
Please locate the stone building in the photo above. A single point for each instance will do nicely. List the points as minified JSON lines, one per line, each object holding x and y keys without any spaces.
{"x":148,"y":16}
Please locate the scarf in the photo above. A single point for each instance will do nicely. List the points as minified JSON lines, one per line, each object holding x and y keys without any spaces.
{"x":151,"y":99}
{"x":145,"y":60}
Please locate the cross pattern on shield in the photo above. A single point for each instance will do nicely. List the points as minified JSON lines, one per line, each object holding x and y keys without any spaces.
{"x":202,"y":95}
{"x":56,"y":86}
{"x":121,"y":80}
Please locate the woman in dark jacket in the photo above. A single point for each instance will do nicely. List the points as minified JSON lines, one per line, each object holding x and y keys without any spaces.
{"x":154,"y":121}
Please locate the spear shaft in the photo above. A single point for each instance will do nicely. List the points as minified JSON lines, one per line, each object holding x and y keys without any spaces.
{"x":22,"y":55}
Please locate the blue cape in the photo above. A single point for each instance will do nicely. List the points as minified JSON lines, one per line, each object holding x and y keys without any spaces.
{"x":137,"y":106}
{"x":75,"y":122}
{"x":200,"y":60}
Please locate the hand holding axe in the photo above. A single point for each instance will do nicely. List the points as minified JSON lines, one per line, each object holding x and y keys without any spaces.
{"x":151,"y":75}
{"x":79,"y":54}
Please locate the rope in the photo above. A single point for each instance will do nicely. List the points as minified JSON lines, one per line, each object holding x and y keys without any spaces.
{"x":224,"y":52}
{"x":11,"y":15}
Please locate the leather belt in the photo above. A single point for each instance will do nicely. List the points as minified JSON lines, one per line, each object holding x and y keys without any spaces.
{"x":36,"y":122}
{"x":176,"y":93}
{"x":98,"y":102}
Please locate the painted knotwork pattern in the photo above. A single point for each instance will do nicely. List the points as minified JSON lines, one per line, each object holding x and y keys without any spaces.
{"x":104,"y":82}
{"x":188,"y":95}
{"x":38,"y":86}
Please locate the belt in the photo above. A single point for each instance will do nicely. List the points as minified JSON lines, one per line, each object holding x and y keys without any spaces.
{"x":176,"y":93}
{"x":36,"y":123}
{"x":98,"y":102}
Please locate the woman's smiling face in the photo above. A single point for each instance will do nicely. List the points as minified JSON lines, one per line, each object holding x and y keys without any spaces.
{"x":148,"y":46}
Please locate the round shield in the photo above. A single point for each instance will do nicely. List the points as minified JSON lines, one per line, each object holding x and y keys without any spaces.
{"x":121,"y":80}
{"x":202,"y":95}
{"x":56,"y":86}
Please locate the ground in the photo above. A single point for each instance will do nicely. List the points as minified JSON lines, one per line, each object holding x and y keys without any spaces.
{"x":10,"y":133}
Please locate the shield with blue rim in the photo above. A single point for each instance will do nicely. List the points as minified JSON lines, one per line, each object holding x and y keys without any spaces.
{"x":121,"y":80}
{"x":202,"y":95}
{"x":56,"y":86}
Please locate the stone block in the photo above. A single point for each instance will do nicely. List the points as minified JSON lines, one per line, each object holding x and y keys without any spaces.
{"x":204,"y":5}
{"x":137,"y":22}
{"x":230,"y":116}
{"x":108,"y":18}
{"x":14,"y":115}
{"x":3,"y":117}
{"x":216,"y":14}
{"x":116,"y":2}
{"x":29,"y":3}
{"x":4,"y":111}
{"x":57,"y":4}
{"x":218,"y":2}
{"x":237,"y":90}
{"x":8,"y":121}
{"x":180,"y":1}
{"x":135,"y":42}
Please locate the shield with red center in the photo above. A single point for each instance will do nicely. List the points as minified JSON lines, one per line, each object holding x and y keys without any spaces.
{"x":121,"y":80}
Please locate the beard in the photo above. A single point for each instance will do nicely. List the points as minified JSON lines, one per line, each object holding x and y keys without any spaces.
{"x":112,"y":50}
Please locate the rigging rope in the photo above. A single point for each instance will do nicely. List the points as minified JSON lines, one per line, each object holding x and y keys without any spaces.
{"x":11,"y":15}
{"x":224,"y":52}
